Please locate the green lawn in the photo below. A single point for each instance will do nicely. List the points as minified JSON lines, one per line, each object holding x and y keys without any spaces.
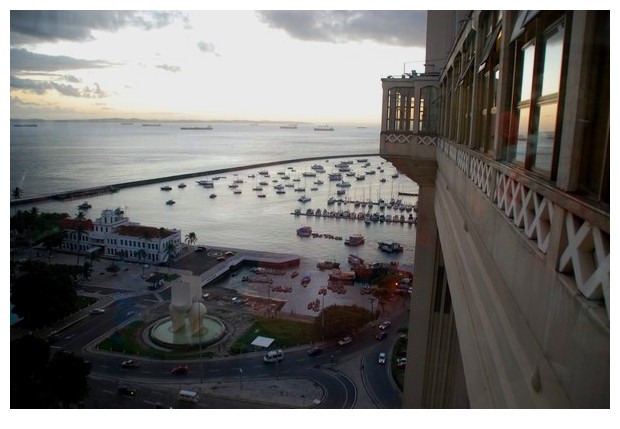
{"x":286,"y":333}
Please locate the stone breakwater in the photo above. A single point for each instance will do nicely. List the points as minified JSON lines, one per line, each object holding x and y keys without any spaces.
{"x":99,"y":190}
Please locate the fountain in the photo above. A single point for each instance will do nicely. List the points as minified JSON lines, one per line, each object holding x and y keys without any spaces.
{"x":188,"y":325}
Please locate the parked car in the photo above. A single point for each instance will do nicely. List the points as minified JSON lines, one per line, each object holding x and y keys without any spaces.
{"x":131,"y":363}
{"x":401,"y":362}
{"x":315,"y":351}
{"x":344,"y":341}
{"x":127,"y":390}
{"x":386,"y":324}
{"x":382,"y":358}
{"x":180,"y":370}
{"x":381,"y":335}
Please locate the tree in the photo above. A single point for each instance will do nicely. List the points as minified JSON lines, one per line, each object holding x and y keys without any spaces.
{"x":170,"y":250}
{"x":44,"y":293}
{"x":87,"y":270}
{"x":38,"y":382}
{"x":80,"y":233}
{"x":29,"y":359}
{"x":17,"y":193}
{"x":54,"y":240}
{"x":191,"y":238}
{"x":141,"y":254}
{"x":337,"y":320}
{"x":66,"y":378}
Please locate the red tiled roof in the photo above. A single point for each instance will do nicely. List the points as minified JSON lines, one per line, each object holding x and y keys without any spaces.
{"x":140,"y":231}
{"x":74,"y":224}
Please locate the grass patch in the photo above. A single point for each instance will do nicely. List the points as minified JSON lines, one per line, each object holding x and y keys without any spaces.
{"x":286,"y":333}
{"x":128,"y":340}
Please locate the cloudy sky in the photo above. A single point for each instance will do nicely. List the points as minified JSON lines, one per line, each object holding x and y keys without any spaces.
{"x":282,"y":65}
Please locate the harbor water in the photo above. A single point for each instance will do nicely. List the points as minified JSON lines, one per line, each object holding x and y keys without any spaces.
{"x":62,"y":156}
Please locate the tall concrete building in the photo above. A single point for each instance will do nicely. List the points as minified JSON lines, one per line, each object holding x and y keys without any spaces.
{"x":506,"y":131}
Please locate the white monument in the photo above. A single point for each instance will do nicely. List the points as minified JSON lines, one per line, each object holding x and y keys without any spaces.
{"x":186,"y":307}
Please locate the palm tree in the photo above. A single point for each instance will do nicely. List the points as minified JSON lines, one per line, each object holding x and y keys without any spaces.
{"x":53,"y":240}
{"x":80,"y":232}
{"x":171,"y":251}
{"x":142,"y":255}
{"x":87,"y":270}
{"x":191,"y":238}
{"x":16,"y":194}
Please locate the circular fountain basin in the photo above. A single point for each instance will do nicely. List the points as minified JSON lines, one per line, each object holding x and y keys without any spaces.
{"x":211,"y":332}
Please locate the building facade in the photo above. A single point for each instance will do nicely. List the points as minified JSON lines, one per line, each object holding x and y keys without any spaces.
{"x":114,"y":236}
{"x":507,"y":134}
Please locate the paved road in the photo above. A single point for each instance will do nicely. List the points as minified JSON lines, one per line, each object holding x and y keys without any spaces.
{"x":350,"y":380}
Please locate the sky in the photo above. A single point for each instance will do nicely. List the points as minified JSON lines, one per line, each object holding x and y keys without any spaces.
{"x":316,"y":66}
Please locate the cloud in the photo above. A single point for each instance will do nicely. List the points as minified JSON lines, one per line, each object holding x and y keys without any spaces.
{"x":390,"y":27}
{"x":173,"y":69}
{"x":71,"y":78}
{"x":32,"y":26}
{"x":30,"y":85}
{"x":24,"y":60}
{"x":40,"y":87}
{"x":207,"y":48}
{"x":96,"y":92}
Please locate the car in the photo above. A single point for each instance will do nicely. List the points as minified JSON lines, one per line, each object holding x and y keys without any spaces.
{"x":221,"y":258}
{"x":344,"y":341}
{"x":131,"y":363}
{"x":315,"y":351}
{"x":127,"y":390}
{"x":386,"y":324}
{"x":97,"y":311}
{"x":273,"y":356}
{"x":381,"y":335}
{"x":382,"y":358}
{"x":230,"y":253}
{"x":401,"y":362}
{"x":180,"y":370}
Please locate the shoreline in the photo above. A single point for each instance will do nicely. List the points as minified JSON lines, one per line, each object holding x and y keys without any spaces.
{"x":98,"y":190}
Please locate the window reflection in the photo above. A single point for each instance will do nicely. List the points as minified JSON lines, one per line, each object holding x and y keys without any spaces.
{"x":553,"y":61}
{"x":546,"y":136}
{"x":527,"y":75}
{"x":521,"y":146}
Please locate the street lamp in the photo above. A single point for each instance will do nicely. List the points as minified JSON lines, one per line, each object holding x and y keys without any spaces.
{"x":323,"y":291}
{"x":200,"y":342}
{"x":372,"y":301}
{"x":240,"y":378}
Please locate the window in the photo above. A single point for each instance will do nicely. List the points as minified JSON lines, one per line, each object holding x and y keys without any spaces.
{"x":488,"y":69}
{"x":429,"y":110}
{"x":594,"y":171}
{"x":400,"y":109}
{"x":538,"y":64}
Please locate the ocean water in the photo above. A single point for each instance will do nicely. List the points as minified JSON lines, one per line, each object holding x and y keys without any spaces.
{"x":59,"y":156}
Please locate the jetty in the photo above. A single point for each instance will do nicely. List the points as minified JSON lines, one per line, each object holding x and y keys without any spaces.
{"x":87,"y":192}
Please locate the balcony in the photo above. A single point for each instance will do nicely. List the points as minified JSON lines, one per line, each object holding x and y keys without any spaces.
{"x":413,"y":154}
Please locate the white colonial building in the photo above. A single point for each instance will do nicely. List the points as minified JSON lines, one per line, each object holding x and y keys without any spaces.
{"x":114,"y":236}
